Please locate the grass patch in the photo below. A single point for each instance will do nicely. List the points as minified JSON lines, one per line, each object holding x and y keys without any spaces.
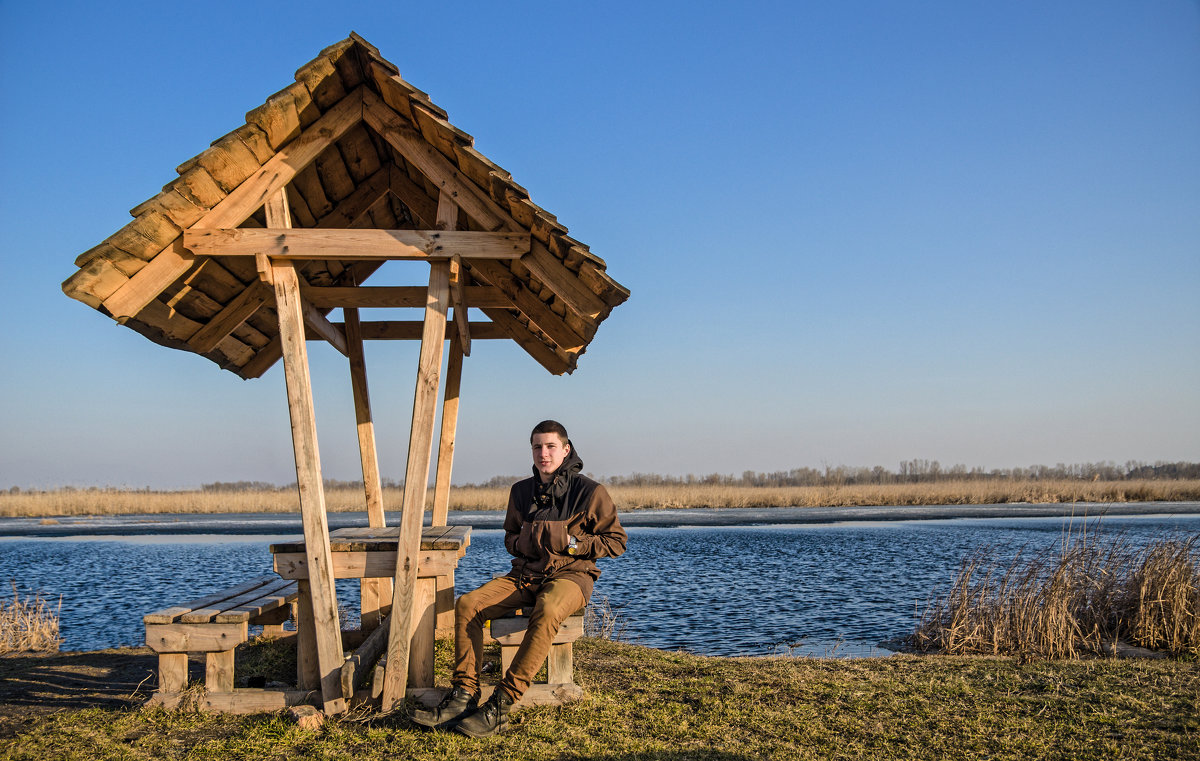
{"x":1080,"y":599}
{"x":649,"y":704}
{"x":28,"y":625}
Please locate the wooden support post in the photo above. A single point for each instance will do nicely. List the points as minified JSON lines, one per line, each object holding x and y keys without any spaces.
{"x":373,"y":593}
{"x":308,"y":479}
{"x":416,"y":477}
{"x":445,"y":462}
{"x":308,"y":674}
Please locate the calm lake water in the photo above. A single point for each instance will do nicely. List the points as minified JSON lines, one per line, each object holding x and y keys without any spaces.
{"x":829,"y":589}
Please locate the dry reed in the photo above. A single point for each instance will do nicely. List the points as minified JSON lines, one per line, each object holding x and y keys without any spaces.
{"x":1083,"y":598}
{"x":64,"y":502}
{"x":28,"y":625}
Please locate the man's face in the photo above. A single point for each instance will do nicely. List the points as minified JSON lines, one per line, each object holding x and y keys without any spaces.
{"x":549,"y":451}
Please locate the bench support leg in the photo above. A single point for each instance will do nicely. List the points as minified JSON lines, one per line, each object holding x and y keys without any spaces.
{"x":218,"y":673}
{"x":560,"y":667}
{"x":172,"y":672}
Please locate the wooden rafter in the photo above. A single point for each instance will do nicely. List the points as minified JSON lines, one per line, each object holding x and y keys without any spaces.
{"x":242,"y":201}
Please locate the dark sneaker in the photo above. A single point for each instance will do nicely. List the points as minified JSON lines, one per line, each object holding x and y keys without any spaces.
{"x":492,"y":716}
{"x":457,"y":703}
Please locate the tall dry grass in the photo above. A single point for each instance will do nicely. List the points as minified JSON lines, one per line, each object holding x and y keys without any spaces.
{"x":1083,"y":598}
{"x":28,"y":625}
{"x":64,"y":502}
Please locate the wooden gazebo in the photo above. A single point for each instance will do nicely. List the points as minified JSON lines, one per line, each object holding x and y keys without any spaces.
{"x":243,"y":256}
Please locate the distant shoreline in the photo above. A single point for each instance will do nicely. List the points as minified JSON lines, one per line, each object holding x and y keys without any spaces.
{"x":62,"y":503}
{"x":276,"y":524}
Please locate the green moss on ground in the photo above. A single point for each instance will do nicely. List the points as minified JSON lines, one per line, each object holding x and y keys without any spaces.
{"x":649,"y":704}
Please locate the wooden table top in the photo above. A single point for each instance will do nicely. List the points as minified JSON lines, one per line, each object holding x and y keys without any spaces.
{"x":385,"y":539}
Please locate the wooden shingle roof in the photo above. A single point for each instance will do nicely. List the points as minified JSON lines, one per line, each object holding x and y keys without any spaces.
{"x":356,"y":148}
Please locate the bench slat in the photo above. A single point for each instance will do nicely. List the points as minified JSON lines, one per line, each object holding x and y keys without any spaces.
{"x":204,"y":615}
{"x":252,"y":609}
{"x":168,"y":615}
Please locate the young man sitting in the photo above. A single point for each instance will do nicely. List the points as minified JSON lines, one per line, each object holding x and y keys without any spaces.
{"x":558,"y":523}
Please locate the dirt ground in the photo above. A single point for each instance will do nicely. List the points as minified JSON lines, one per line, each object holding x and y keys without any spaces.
{"x":33,"y":684}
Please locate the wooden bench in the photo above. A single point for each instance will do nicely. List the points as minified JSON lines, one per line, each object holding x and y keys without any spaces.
{"x":560,"y":663}
{"x":215,"y":625}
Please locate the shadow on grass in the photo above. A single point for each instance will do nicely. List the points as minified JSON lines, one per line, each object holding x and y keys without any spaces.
{"x":107,"y":679}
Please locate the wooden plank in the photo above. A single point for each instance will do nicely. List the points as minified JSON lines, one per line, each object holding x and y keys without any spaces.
{"x":530,"y":304}
{"x":231,"y":317}
{"x":253,"y":610}
{"x":373,"y":593}
{"x":511,"y":630}
{"x":411,"y":330}
{"x":308,"y":479}
{"x":445,"y":604}
{"x":172,"y":672}
{"x":560,"y":664}
{"x":374,"y":564}
{"x":240,"y":204}
{"x":194,"y":638}
{"x":445,"y":461}
{"x":218,"y":671}
{"x":172,"y":263}
{"x":239,"y":701}
{"x":355,"y":205}
{"x":406,"y":139}
{"x":210,"y":612}
{"x":458,"y":275}
{"x":169,"y":615}
{"x":566,"y":286}
{"x":359,"y":665}
{"x":368,"y":454}
{"x":394,"y":297}
{"x":349,"y":245}
{"x":416,"y":481}
{"x":424,"y":625}
{"x":308,"y":671}
{"x":324,"y":328}
{"x":414,"y":197}
{"x":544,"y":355}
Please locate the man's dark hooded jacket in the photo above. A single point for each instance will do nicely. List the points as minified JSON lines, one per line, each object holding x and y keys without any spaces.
{"x":543,"y":516}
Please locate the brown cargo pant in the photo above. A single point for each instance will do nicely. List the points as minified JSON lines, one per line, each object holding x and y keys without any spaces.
{"x":550,"y":602}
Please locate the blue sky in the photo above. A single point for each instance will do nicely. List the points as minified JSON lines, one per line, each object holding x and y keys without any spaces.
{"x":856,"y":233}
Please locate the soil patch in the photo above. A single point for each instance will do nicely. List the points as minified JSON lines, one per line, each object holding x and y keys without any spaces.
{"x":33,"y":684}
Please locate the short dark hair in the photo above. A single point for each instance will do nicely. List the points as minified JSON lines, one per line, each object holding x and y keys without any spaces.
{"x":549,"y":426}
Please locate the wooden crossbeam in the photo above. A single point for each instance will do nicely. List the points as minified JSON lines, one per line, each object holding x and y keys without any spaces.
{"x":235,"y":208}
{"x":348,"y":245}
{"x":321,"y":325}
{"x":395,"y":297}
{"x":410,"y":330}
{"x":413,"y":196}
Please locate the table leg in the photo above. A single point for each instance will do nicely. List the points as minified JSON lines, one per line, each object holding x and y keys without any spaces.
{"x":420,"y":659}
{"x":308,"y":671}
